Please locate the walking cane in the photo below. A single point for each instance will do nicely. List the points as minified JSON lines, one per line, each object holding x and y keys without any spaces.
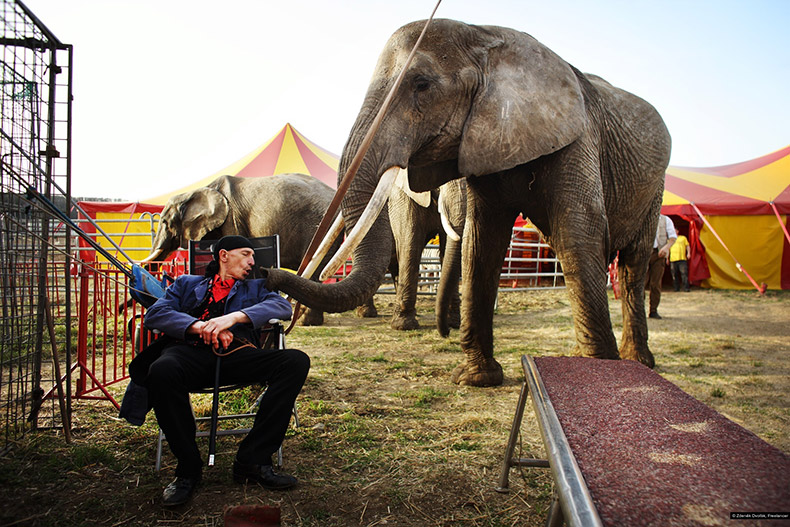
{"x":212,"y":438}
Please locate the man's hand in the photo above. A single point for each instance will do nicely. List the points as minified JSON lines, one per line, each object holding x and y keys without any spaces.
{"x":215,"y":332}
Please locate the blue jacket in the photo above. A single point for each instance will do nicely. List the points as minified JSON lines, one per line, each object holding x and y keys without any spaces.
{"x":170,"y":314}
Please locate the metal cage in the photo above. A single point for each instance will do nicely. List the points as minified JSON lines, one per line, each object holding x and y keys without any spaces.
{"x":35,"y":159}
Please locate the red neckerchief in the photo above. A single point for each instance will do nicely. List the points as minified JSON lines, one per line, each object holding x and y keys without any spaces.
{"x":221,"y":288}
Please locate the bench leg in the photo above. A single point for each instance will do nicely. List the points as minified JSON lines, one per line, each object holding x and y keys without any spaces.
{"x":555,"y":517}
{"x":504,"y":485}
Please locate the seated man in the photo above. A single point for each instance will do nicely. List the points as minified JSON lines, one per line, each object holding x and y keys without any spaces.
{"x":220,"y":312}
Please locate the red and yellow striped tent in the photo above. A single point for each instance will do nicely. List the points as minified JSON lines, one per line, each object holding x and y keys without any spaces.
{"x":131,"y":225}
{"x":288,"y":151}
{"x":738,"y":221}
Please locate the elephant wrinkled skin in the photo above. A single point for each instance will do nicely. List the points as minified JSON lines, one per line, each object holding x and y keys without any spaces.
{"x":531,"y":134}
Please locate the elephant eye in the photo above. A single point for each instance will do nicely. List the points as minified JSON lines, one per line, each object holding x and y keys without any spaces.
{"x":421,"y":83}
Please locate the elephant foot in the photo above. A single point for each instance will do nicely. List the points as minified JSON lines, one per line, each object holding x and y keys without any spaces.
{"x":367,"y":311}
{"x":642,"y":355}
{"x":487,"y":374}
{"x":454,"y":320}
{"x":581,"y":351}
{"x":312,"y":318}
{"x":404,"y":323}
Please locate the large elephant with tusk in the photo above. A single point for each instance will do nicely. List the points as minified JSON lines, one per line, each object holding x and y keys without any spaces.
{"x":531,"y":134}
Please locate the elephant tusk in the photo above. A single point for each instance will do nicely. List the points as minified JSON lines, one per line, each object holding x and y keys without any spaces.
{"x":445,"y":221}
{"x":323,"y":248}
{"x":371,"y":212}
{"x":151,"y":257}
{"x":423,"y":199}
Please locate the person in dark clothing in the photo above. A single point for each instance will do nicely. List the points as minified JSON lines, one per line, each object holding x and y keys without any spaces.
{"x":222,"y":312}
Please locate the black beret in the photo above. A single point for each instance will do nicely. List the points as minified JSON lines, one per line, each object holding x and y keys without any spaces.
{"x":229,"y":243}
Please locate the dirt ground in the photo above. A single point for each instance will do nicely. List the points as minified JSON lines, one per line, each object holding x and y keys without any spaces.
{"x":386,"y":439}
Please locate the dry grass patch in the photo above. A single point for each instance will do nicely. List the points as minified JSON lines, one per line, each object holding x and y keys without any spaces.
{"x":386,"y":439}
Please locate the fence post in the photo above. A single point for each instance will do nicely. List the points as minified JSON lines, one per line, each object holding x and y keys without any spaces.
{"x":82,"y":331}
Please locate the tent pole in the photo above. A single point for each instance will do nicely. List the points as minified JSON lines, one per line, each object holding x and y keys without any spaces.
{"x":760,"y":288}
{"x":781,"y":223}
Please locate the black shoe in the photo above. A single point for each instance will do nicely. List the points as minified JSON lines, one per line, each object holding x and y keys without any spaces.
{"x":179,"y":491}
{"x":654,"y":314}
{"x":263,"y":475}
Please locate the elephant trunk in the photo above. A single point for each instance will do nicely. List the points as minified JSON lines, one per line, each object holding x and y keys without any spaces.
{"x":447,"y":293}
{"x":371,"y":258}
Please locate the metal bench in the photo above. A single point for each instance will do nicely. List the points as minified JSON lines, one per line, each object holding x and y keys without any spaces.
{"x":627,"y":447}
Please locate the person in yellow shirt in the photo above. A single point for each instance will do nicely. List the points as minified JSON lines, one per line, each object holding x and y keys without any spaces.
{"x":679,"y":254}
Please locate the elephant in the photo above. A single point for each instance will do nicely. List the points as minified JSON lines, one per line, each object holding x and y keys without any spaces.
{"x":530,"y":134}
{"x":290,"y":205}
{"x":415,"y":219}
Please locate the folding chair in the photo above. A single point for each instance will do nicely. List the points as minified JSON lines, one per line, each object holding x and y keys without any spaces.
{"x":267,"y":254}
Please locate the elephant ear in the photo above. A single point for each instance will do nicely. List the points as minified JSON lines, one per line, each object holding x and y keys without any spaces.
{"x":529,"y":104}
{"x":202,"y":212}
{"x":423,"y":199}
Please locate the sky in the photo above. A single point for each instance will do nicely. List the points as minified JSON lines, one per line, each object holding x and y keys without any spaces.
{"x":167,"y":92}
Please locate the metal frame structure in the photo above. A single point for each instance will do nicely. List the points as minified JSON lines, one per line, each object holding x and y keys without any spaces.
{"x":571,"y":503}
{"x":35,"y":159}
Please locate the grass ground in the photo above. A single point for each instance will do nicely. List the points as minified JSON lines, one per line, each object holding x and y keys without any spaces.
{"x":386,"y":439}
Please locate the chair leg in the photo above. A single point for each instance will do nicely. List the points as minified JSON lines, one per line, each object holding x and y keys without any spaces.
{"x":159,"y":440}
{"x":212,"y":438}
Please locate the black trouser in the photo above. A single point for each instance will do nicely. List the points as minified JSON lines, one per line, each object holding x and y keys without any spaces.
{"x":183,"y":368}
{"x":655,"y":273}
{"x":680,"y":275}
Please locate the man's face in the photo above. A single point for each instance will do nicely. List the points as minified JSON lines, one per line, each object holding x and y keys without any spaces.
{"x":236,"y":263}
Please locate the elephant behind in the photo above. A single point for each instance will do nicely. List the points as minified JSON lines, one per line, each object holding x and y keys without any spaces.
{"x":415,"y":219}
{"x":290,"y":205}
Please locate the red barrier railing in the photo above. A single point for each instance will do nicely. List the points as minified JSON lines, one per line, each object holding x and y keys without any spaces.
{"x":108,"y":330}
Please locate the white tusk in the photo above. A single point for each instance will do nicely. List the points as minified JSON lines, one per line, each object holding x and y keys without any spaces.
{"x":442,"y":206}
{"x":323,"y":248}
{"x":371,"y":212}
{"x":446,"y":222}
{"x":150,"y":258}
{"x":423,"y":199}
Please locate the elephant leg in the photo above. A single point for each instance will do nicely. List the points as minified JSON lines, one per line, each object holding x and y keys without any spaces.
{"x":486,"y":239}
{"x":632,"y":270}
{"x":409,"y":253}
{"x":312,"y":317}
{"x":631,"y":274}
{"x":580,"y":243}
{"x":368,"y":309}
{"x":585,"y":280}
{"x":448,"y":302}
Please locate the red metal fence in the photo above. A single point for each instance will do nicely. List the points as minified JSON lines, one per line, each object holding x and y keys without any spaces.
{"x":108,"y":329}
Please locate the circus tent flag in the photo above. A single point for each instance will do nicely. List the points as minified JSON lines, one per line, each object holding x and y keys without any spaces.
{"x":288,"y":151}
{"x":738,"y":220}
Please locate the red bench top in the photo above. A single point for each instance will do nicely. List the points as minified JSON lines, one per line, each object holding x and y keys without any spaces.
{"x":653,"y":455}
